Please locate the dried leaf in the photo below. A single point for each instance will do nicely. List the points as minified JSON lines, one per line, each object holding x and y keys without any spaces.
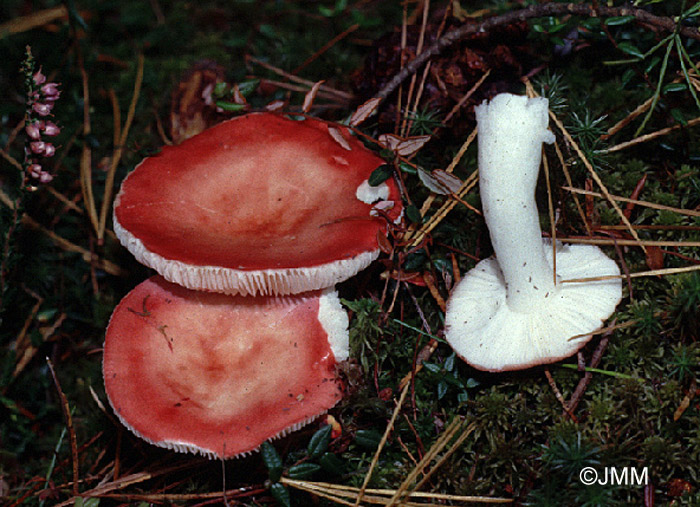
{"x":389,"y":141}
{"x":339,"y":138}
{"x":439,"y":181}
{"x":238,"y":97}
{"x":310,"y":96}
{"x":655,"y":257}
{"x":275,"y":105}
{"x":364,"y":111}
{"x":192,"y":107}
{"x":384,"y":244}
{"x":404,"y":147}
{"x":450,"y":181}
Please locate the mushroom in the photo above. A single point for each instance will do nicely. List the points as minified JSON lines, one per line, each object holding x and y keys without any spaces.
{"x":259,"y":204}
{"x":217,"y":374}
{"x":508,"y":312}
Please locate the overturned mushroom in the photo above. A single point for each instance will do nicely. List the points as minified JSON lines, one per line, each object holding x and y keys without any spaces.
{"x":259,"y":204}
{"x":508,"y":312}
{"x":217,"y":374}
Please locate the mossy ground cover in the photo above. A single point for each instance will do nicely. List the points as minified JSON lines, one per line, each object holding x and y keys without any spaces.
{"x":609,"y":79}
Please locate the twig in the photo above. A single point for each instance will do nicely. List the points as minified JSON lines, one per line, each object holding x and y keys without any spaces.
{"x":649,"y":137}
{"x":533,"y":11}
{"x":583,"y":383}
{"x":69,"y":425}
{"x":328,"y":45}
{"x":34,"y":20}
{"x":558,"y":395}
{"x":646,"y":204}
{"x":382,"y":442}
{"x":118,"y":150}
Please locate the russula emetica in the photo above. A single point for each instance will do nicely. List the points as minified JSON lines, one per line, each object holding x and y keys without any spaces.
{"x":259,"y":204}
{"x":508,"y":313}
{"x":217,"y":374}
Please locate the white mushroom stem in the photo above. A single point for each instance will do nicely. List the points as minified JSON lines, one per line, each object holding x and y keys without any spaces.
{"x":511,"y":132}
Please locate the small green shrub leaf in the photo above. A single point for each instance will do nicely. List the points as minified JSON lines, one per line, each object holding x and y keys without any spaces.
{"x":319,"y":441}
{"x":332,"y":464}
{"x":380,"y":175}
{"x":272,"y":461}
{"x":369,"y":439}
{"x":303,"y":470}
{"x":280,"y":494}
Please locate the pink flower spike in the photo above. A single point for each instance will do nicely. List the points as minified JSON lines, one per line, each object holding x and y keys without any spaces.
{"x":45,"y":177}
{"x":49,"y":150}
{"x":39,"y":78}
{"x":32,"y":131}
{"x":38,"y":146}
{"x":42,"y":109}
{"x":51,"y":129}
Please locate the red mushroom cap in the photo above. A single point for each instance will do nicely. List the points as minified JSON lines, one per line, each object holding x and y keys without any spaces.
{"x":217,"y":374}
{"x":259,"y":204}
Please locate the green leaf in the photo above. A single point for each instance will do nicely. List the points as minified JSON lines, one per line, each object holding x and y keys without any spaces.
{"x":630,"y":49}
{"x":413,"y":214}
{"x":678,"y":116}
{"x":248,"y":87}
{"x":463,"y":397}
{"x":87,"y":502}
{"x":272,"y":461}
{"x":303,"y":470}
{"x":442,"y":390}
{"x":407,"y":168}
{"x":319,"y":441}
{"x":618,"y":20}
{"x":432,"y":367}
{"x":380,"y":175}
{"x":450,"y":362}
{"x":332,"y":464}
{"x":230,"y":106}
{"x":369,"y":439}
{"x":220,"y":89}
{"x":280,"y":494}
{"x":472,"y":382}
{"x":674,"y":87}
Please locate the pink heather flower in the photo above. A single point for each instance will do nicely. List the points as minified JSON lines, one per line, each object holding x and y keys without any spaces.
{"x":45,"y":177}
{"x":34,"y":170}
{"x":41,"y":108}
{"x":32,"y":131}
{"x":50,"y":91}
{"x":38,"y":146}
{"x":39,"y":78}
{"x":49,"y":150}
{"x":51,"y":129}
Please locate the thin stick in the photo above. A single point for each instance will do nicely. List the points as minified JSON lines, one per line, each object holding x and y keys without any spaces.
{"x":34,"y":20}
{"x":653,"y":272}
{"x":558,"y":395}
{"x":466,"y":96}
{"x":630,"y":242}
{"x":69,"y":425}
{"x":382,"y":442}
{"x":586,"y":379}
{"x":647,"y":204}
{"x":297,"y":79}
{"x":552,"y":221}
{"x":119,"y":149}
{"x":328,"y":45}
{"x":86,"y":156}
{"x":567,"y":175}
{"x":642,"y":108}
